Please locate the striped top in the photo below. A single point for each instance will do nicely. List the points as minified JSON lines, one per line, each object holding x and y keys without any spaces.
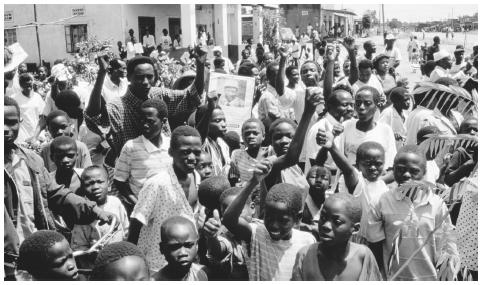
{"x":241,"y":162}
{"x":139,"y":160}
{"x":273,"y":260}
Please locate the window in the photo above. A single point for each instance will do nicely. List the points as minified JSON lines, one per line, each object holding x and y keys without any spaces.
{"x":10,"y":36}
{"x":74,"y":34}
{"x":8,"y":16}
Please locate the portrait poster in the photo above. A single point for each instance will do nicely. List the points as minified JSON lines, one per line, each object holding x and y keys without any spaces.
{"x":236,"y":96}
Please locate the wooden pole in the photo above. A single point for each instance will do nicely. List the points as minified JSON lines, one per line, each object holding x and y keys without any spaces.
{"x":36,"y":32}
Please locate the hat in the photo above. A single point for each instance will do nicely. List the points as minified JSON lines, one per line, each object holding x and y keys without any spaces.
{"x":217,"y":48}
{"x":390,"y":37}
{"x":378,"y":57}
{"x":440,"y":55}
{"x":459,"y":48}
{"x":16,"y":56}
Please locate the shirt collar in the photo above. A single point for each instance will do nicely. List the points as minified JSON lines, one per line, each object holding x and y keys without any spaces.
{"x":132,"y":100}
{"x":150,"y":147}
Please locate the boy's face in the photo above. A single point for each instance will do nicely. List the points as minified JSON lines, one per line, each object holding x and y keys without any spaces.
{"x":61,"y":263}
{"x":319,"y":181}
{"x":371,"y":165}
{"x":204,"y":167}
{"x":252,"y":135}
{"x":278,"y":220}
{"x":142,"y":78}
{"x":59,"y":126}
{"x":309,"y":74}
{"x":282,"y":137}
{"x":11,"y":124}
{"x":345,"y":105}
{"x":217,"y":126}
{"x":179,"y":245}
{"x":65,"y":156}
{"x":364,"y":105}
{"x":409,"y":166}
{"x":27,"y":86}
{"x":96,"y":186}
{"x":384,"y":64}
{"x":151,"y":123}
{"x":365,"y":74}
{"x":128,"y":268}
{"x":335,"y":226}
{"x":186,"y":154}
{"x":294,"y":76}
{"x":403,"y":102}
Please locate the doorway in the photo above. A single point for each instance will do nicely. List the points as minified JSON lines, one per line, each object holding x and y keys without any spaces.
{"x":174,"y":27}
{"x":144,"y":23}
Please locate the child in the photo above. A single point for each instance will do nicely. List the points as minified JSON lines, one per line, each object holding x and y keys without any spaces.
{"x":225,"y":250}
{"x":414,"y":219}
{"x":204,"y":166}
{"x":272,"y":245}
{"x":396,"y":114}
{"x":145,"y":155}
{"x":433,"y":172}
{"x":95,"y":187}
{"x":179,"y":246}
{"x":63,"y":152}
{"x":59,"y":124}
{"x":47,"y":256}
{"x":319,"y":180}
{"x":120,"y":261}
{"x":335,"y":258}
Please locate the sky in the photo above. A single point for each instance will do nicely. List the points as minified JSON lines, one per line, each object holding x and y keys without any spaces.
{"x":415,"y":12}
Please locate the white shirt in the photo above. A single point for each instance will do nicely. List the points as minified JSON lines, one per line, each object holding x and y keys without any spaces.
{"x":228,"y":66}
{"x":110,"y":91}
{"x":373,"y":82}
{"x":437,"y":73}
{"x":394,"y":55}
{"x":166,"y":41}
{"x":391,"y":117}
{"x":279,"y":106}
{"x":422,"y":117}
{"x":148,"y":41}
{"x":30,"y":110}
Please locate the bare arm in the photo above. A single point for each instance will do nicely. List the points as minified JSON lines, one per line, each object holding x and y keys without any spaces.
{"x":95,"y":101}
{"x":200,"y":66}
{"x":203,"y":125}
{"x":329,"y":73}
{"x":354,"y":71}
{"x":134,"y":230}
{"x":124,"y":189}
{"x":282,"y":71}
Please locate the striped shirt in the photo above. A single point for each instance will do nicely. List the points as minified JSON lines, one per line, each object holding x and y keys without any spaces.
{"x":273,"y":260}
{"x":219,"y":151}
{"x":139,"y":160}
{"x":241,"y":162}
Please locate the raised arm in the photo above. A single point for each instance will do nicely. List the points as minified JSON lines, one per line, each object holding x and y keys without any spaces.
{"x":282,"y":71}
{"x":95,"y":102}
{"x":203,"y":125}
{"x":201,"y":55}
{"x":351,"y":50}
{"x":329,"y":75}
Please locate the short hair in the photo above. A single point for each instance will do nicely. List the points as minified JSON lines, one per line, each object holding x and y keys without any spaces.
{"x":24,"y":77}
{"x":280,"y":121}
{"x":344,"y":87}
{"x":428,"y":67}
{"x":174,"y":220}
{"x":182,"y":131}
{"x":352,"y":205}
{"x":164,"y":31}
{"x":157,"y":104}
{"x":232,"y":139}
{"x":420,"y":136}
{"x":320,"y":167}
{"x":9,"y":101}
{"x":115,"y":63}
{"x":111,"y":253}
{"x":210,"y":191}
{"x":397,"y":93}
{"x":33,"y":252}
{"x":367,"y":44}
{"x":365,"y":63}
{"x":133,"y":62}
{"x":62,"y":140}
{"x":94,"y":167}
{"x":270,"y":69}
{"x":67,"y":99}
{"x":363,"y":148}
{"x":229,"y":192}
{"x":413,"y":149}
{"x":245,"y":69}
{"x":54,"y":114}
{"x":218,"y":61}
{"x":289,"y":69}
{"x":332,"y":100}
{"x":254,"y":120}
{"x":288,"y":194}
{"x":319,"y":69}
{"x":375,"y":93}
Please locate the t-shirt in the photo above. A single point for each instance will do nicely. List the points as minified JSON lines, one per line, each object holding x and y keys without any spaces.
{"x":273,"y":260}
{"x":196,"y":273}
{"x":30,"y":110}
{"x":394,"y":55}
{"x":166,"y":41}
{"x":373,"y":82}
{"x":351,"y":138}
{"x":392,"y":118}
{"x":83,"y":157}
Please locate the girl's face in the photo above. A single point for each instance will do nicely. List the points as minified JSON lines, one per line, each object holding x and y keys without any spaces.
{"x":383,"y":65}
{"x":252,"y":135}
{"x":282,"y":137}
{"x":409,"y":166}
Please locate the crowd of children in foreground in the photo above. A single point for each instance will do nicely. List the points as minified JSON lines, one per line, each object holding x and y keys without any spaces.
{"x":192,"y":207}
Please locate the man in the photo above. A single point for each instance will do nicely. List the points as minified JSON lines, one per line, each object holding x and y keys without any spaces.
{"x":433,"y":49}
{"x":366,"y":78}
{"x":443,"y":64}
{"x":165,"y":40}
{"x":393,"y":52}
{"x":303,"y":41}
{"x":369,"y":51}
{"x":245,"y":55}
{"x":122,"y":116}
{"x":148,"y":42}
{"x":296,"y":52}
{"x":459,"y":63}
{"x":228,"y":67}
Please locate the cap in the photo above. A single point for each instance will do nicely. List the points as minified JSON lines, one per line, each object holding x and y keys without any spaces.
{"x":459,"y":48}
{"x":378,"y":57}
{"x":390,"y":37}
{"x":440,"y":55}
{"x":217,"y":48}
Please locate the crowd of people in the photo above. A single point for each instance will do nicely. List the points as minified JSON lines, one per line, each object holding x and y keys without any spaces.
{"x":333,"y":177}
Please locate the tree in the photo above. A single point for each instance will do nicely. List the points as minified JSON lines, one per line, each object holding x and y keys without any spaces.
{"x":394,"y":24}
{"x":272,"y":21}
{"x":366,"y":21}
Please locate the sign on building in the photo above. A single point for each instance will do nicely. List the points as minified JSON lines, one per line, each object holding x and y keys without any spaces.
{"x":78,"y":11}
{"x":8,"y":16}
{"x":304,"y":13}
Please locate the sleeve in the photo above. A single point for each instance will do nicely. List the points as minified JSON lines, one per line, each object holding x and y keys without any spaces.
{"x":47,"y":108}
{"x":297,"y":274}
{"x":85,"y":160}
{"x":370,"y":270}
{"x":124,"y":219}
{"x":398,"y":54}
{"x":180,"y":101}
{"x":122,"y":167}
{"x":375,"y":222}
{"x":40,"y":106}
{"x":80,"y":239}
{"x":146,"y":203}
{"x":445,"y":236}
{"x":271,"y":108}
{"x":390,"y":148}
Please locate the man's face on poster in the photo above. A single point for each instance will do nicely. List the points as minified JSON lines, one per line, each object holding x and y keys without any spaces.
{"x":230,"y":93}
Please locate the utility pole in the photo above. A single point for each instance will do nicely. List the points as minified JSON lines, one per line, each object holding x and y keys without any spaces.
{"x":383,"y":28}
{"x":36,"y":32}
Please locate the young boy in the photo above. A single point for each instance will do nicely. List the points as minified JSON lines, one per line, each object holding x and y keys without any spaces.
{"x":120,"y":261}
{"x":95,"y":187}
{"x":396,"y":114}
{"x":179,"y":246}
{"x":47,"y":256}
{"x":63,"y":152}
{"x":204,"y":166}
{"x":272,"y":245}
{"x":145,"y":155}
{"x":59,"y":124}
{"x":413,"y":219}
{"x":319,"y":180}
{"x":335,"y":257}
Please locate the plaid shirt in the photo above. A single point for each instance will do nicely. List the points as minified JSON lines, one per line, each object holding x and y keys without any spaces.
{"x":123,"y":117}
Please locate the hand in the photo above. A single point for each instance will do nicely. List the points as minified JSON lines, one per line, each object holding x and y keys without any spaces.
{"x":261,"y":169}
{"x":283,"y":52}
{"x":399,"y":137}
{"x":331,"y":54}
{"x":337,"y":129}
{"x":324,"y":139}
{"x":103,"y":64}
{"x":105,"y":217}
{"x":349,"y":43}
{"x":212,"y":225}
{"x":314,"y":97}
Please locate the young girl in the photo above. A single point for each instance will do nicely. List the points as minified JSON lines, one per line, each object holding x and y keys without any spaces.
{"x":335,"y":258}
